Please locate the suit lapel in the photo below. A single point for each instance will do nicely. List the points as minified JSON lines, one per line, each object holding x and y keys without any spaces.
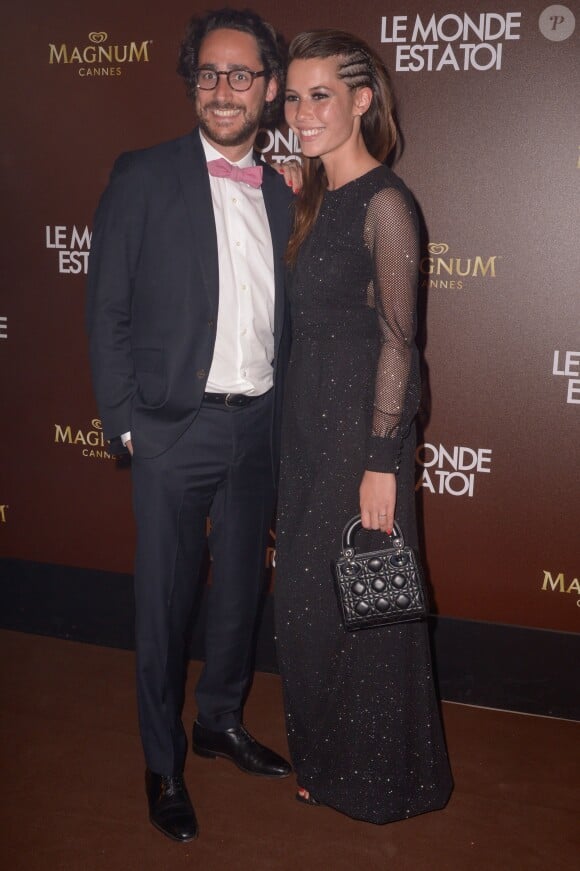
{"x":191,"y":167}
{"x":192,"y":171}
{"x":278,"y":218}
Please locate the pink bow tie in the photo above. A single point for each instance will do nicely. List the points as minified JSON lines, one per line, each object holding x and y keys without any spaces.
{"x":221,"y":168}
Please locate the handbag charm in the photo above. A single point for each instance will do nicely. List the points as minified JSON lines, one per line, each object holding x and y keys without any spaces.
{"x":378,"y":588}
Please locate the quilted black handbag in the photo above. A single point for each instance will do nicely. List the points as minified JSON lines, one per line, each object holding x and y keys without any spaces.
{"x":378,"y":588}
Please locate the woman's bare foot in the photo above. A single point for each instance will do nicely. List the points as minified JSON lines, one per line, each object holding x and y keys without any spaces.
{"x":304,"y":797}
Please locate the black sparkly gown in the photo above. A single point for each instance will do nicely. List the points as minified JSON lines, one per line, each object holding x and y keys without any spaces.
{"x":361,"y":711}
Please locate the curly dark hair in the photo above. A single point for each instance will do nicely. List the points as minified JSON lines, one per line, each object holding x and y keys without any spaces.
{"x":270,"y":47}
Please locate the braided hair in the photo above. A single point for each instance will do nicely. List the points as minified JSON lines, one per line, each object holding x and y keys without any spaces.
{"x":358,"y":67}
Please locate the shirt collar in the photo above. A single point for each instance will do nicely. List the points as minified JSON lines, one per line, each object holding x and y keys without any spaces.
{"x":212,"y":153}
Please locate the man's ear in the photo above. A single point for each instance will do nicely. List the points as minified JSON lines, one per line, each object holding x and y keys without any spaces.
{"x":271,"y":90}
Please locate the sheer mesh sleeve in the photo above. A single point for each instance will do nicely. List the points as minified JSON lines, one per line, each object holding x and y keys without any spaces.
{"x":392,"y":237}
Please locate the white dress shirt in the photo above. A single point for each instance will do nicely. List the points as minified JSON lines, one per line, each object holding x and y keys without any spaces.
{"x":244,"y":347}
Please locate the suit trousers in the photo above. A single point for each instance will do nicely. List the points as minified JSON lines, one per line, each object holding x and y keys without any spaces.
{"x":220,"y":467}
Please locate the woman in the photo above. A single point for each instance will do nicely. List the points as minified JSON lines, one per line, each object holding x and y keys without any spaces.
{"x":362,"y":716}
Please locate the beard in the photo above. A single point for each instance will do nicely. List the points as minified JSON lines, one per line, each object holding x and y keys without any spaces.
{"x":238,"y":136}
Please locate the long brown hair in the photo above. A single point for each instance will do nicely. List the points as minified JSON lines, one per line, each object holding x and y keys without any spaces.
{"x":358,"y":67}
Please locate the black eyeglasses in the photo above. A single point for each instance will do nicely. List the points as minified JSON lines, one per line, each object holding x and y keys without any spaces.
{"x":238,"y":80}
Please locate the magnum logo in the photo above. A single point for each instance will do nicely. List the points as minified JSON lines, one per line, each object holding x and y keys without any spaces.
{"x":91,"y":441}
{"x":439,"y":271}
{"x":97,"y":58}
{"x":4,"y":513}
{"x":560,"y":584}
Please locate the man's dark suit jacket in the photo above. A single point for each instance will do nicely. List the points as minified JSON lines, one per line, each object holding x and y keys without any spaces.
{"x":153,"y":292}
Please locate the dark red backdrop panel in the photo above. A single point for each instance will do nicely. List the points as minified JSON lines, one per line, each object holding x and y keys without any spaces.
{"x":488,"y":105}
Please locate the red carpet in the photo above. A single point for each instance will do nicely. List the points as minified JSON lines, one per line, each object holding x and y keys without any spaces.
{"x":73,"y":798}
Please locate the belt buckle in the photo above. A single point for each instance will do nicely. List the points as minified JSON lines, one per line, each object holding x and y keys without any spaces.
{"x":227,"y":401}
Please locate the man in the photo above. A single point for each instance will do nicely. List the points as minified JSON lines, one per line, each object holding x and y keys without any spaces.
{"x":185,"y":316}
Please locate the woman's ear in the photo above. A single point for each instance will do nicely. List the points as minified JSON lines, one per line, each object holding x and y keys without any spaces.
{"x":362,"y":100}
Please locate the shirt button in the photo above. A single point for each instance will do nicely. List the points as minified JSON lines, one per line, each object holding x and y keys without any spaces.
{"x":234,"y":200}
{"x":243,"y":332}
{"x":238,"y":244}
{"x":201,"y":373}
{"x":244,"y":286}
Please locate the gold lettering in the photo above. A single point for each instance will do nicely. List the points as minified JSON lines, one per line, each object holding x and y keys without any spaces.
{"x":62,"y":435}
{"x":94,"y":438}
{"x":553,"y":583}
{"x":484,"y":268}
{"x":441,"y":264}
{"x":106,"y":53}
{"x":458,"y":267}
{"x":97,"y":455}
{"x":138,"y":54}
{"x":57,"y":56}
{"x":131,"y":53}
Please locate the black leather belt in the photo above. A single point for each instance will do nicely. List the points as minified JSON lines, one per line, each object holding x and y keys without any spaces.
{"x":231,"y":400}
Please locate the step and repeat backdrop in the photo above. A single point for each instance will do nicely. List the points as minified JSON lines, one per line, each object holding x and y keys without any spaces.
{"x":488,"y":98}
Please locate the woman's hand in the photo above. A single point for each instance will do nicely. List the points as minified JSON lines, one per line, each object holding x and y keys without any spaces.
{"x":292,"y":172}
{"x":378,"y":497}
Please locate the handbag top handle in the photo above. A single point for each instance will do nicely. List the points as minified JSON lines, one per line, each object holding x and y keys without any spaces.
{"x":353,"y":526}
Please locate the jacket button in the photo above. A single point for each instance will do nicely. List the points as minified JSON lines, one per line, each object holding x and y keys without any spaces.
{"x":210,"y":323}
{"x":201,"y":373}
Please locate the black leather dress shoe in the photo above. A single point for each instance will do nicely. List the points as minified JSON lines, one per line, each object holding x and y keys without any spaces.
{"x":170,"y":808}
{"x":238,"y":746}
